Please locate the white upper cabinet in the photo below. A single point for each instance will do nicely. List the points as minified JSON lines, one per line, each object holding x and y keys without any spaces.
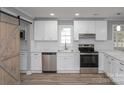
{"x":45,"y":30}
{"x":101,"y":30}
{"x":83,"y":27}
{"x":93,"y":27}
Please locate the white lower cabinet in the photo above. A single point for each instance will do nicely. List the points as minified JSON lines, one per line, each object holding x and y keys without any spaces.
{"x":36,"y":63}
{"x":106,"y":65}
{"x":114,"y":69}
{"x":120,"y":74}
{"x":77,"y":61}
{"x":23,"y":62}
{"x":68,"y":62}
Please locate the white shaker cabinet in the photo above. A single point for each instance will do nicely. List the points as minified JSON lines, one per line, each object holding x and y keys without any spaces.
{"x":83,"y":27}
{"x":77,"y":61}
{"x":94,"y":27}
{"x":101,"y":60}
{"x":114,"y":69}
{"x":101,"y":30}
{"x":106,"y":65}
{"x":120,"y":74}
{"x":45,"y":30}
{"x":23,"y":61}
{"x":109,"y":66}
{"x":68,"y":63}
{"x":36,"y":63}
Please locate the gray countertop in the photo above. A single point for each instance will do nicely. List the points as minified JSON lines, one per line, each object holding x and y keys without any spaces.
{"x":115,"y":53}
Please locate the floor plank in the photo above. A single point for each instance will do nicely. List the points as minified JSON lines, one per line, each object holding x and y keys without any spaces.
{"x":65,"y":79}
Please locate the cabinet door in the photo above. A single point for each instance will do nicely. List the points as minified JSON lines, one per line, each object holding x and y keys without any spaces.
{"x":79,"y":28}
{"x":65,"y":62}
{"x":76,"y":30}
{"x":50,"y":30}
{"x":36,"y":61}
{"x":76,"y":61}
{"x":115,"y":66}
{"x":111,"y":67}
{"x":69,"y":62}
{"x":106,"y":65}
{"x":101,"y":62}
{"x":60,"y":65}
{"x":120,"y":74}
{"x":39,"y":30}
{"x":23,"y":61}
{"x":45,"y":30}
{"x":91,"y":27}
{"x":101,"y":30}
{"x":109,"y":72}
{"x":83,"y":27}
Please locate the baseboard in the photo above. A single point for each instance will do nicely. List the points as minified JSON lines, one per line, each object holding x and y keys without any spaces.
{"x":68,"y":71}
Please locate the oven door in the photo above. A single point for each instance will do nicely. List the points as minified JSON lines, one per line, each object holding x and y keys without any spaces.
{"x":88,"y":59}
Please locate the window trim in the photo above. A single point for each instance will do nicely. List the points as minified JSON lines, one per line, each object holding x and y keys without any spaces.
{"x":60,"y":28}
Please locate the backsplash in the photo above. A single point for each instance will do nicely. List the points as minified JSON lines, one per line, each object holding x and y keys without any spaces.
{"x":39,"y":46}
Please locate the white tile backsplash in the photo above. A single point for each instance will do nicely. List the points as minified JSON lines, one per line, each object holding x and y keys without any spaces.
{"x":86,"y":41}
{"x":104,"y":45}
{"x":39,"y":46}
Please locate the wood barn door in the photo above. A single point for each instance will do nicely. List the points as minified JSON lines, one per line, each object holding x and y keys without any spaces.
{"x":9,"y":49}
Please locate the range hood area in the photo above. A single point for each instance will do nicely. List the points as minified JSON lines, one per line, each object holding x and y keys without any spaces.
{"x":87,"y":36}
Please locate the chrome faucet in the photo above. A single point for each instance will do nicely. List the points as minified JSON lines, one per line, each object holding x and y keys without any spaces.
{"x":66,"y":46}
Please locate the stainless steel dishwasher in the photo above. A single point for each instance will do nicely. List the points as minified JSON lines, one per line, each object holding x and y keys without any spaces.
{"x":49,"y":62}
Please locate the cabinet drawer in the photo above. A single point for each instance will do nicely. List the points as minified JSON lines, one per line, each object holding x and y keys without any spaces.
{"x":65,"y":54}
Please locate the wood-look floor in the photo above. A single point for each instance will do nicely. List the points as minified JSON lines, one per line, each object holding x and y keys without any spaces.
{"x":65,"y":79}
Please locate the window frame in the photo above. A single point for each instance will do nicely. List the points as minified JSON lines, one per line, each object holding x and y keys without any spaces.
{"x":71,"y":36}
{"x":117,"y":46}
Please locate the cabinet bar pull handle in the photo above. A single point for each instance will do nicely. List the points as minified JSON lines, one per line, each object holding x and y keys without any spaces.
{"x":121,"y":69}
{"x":121,"y":63}
{"x":112,"y":59}
{"x":109,"y":62}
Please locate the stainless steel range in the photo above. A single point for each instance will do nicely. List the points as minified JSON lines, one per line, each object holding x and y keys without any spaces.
{"x":88,"y":57}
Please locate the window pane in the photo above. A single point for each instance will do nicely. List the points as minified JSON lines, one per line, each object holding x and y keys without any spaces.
{"x":63,"y":33}
{"x":63,"y":37}
{"x":68,"y":41}
{"x":62,"y":41}
{"x":68,"y":32}
{"x":66,"y":35}
{"x":119,"y":36}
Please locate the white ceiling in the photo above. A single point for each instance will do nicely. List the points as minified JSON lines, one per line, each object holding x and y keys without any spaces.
{"x":68,"y":12}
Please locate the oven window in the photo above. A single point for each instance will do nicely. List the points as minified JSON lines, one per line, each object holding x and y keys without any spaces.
{"x":89,"y":61}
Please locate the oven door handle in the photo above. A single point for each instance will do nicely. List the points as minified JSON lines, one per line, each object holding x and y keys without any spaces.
{"x":88,"y":53}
